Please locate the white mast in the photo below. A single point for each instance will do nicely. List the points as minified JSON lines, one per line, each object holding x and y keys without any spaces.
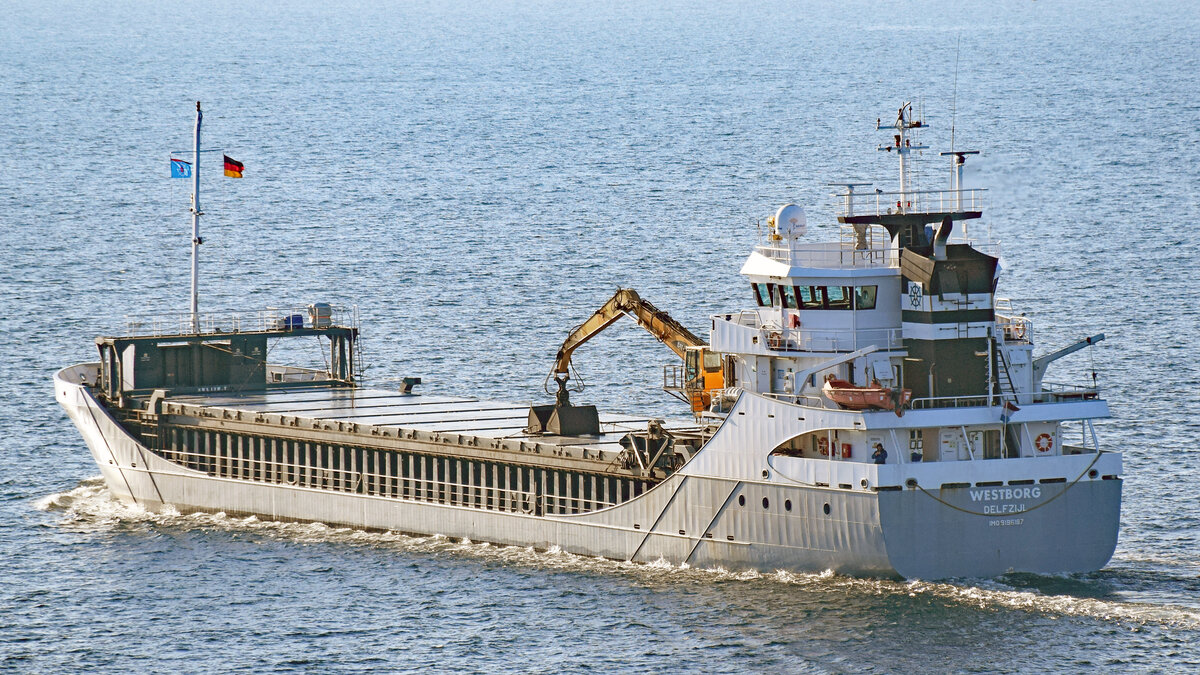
{"x":903,"y":147}
{"x":196,"y":221}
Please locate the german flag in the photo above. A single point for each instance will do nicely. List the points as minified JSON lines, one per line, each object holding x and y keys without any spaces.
{"x":233,"y":168}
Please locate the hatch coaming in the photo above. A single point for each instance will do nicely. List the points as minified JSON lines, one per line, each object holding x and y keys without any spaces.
{"x":577,"y":454}
{"x":289,"y":431}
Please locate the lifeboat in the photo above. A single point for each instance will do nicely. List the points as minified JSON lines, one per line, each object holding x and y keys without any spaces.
{"x":873,"y":397}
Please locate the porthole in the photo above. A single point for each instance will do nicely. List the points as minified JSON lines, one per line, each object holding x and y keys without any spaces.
{"x":766,"y":503}
{"x":741,"y":500}
{"x":826,"y":509}
{"x":787,"y":505}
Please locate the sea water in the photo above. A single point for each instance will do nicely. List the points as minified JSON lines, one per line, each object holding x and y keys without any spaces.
{"x":478,"y":178}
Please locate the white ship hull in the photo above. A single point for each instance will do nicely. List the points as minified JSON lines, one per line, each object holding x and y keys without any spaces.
{"x":701,"y":515}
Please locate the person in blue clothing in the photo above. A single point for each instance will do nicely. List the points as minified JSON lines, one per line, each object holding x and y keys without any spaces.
{"x":880,"y":455}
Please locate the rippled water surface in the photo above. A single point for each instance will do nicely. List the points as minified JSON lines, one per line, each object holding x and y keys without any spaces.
{"x":477,"y":179}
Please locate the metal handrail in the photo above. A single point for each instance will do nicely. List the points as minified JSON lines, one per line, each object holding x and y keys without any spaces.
{"x":673,"y":377}
{"x":802,"y":339}
{"x":913,"y":201}
{"x":929,"y":402}
{"x":347,"y":480}
{"x":803,"y":400}
{"x":830,"y":256}
{"x":1052,"y":392}
{"x":1014,"y":328}
{"x":1064,"y":388}
{"x":266,"y":319}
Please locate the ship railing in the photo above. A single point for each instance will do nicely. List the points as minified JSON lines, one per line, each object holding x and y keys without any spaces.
{"x":879,"y":203}
{"x":808,"y":340}
{"x":930,"y":402}
{"x":258,"y":320}
{"x":1052,"y":392}
{"x":1057,"y":392}
{"x":804,"y":400}
{"x":830,"y":256}
{"x":747,"y":317}
{"x":674,"y":378}
{"x":259,"y":467}
{"x":277,"y":373}
{"x":1014,"y":328}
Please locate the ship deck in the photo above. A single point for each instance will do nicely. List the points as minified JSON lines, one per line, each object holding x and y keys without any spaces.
{"x":422,"y":412}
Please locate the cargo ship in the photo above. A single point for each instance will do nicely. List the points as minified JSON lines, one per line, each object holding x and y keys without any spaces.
{"x":875,"y":410}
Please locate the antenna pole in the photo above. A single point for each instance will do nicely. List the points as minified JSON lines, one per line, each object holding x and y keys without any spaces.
{"x":901,"y":138}
{"x":196,"y":222}
{"x":954,"y":98}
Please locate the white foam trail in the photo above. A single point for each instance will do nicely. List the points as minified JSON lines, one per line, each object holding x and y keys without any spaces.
{"x":1062,"y":605}
{"x":90,"y":507}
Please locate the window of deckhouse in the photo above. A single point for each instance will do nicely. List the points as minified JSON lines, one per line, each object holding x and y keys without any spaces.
{"x":789,"y":297}
{"x":828,"y":297}
{"x":864,"y":297}
{"x":762,"y":295}
{"x":811,"y":297}
{"x":838,"y":297}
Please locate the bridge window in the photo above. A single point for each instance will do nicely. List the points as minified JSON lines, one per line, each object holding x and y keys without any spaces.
{"x":811,"y":297}
{"x":864,"y":297}
{"x":762,"y":294}
{"x":814,"y":297}
{"x":837,"y":297}
{"x":789,"y":297}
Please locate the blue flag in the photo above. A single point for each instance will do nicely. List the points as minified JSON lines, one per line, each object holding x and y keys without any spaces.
{"x":180,"y":168}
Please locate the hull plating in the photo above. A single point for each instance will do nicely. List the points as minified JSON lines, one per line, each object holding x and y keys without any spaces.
{"x":704,"y":521}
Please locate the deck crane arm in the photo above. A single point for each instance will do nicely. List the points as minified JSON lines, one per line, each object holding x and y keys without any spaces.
{"x":1042,"y":362}
{"x":625,"y":301}
{"x":702,"y":370}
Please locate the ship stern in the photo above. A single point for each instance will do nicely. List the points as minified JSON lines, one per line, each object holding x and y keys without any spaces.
{"x":985,"y":531}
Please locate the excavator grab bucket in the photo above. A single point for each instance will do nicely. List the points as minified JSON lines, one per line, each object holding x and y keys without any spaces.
{"x":568,"y":420}
{"x":562,"y":418}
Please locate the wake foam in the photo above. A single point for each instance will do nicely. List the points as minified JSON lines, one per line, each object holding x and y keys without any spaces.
{"x":90,"y":507}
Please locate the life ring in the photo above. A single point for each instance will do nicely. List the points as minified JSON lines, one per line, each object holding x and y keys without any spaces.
{"x":1019,"y":331}
{"x":1044,"y":443}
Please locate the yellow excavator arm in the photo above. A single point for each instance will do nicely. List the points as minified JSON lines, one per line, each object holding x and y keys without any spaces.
{"x":703,"y":369}
{"x":626,"y":301}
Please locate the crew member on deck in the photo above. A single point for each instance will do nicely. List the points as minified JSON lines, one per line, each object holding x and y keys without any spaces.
{"x":880,"y":455}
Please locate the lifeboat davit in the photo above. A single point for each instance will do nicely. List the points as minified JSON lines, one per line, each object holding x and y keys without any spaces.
{"x":874,"y":397}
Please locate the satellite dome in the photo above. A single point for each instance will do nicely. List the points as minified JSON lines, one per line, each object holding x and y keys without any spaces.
{"x":790,"y":221}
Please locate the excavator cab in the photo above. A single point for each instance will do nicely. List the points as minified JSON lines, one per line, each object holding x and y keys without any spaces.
{"x":703,"y":371}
